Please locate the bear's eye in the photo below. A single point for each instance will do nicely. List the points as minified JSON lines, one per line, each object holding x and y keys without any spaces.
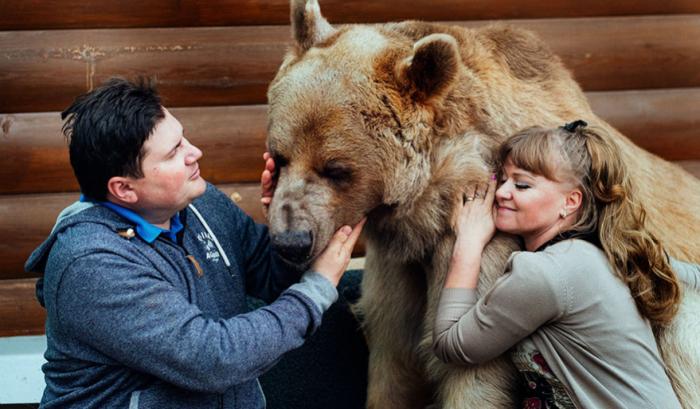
{"x":337,"y":172}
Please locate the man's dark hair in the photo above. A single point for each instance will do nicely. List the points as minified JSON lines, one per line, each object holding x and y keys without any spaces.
{"x":107,"y":128}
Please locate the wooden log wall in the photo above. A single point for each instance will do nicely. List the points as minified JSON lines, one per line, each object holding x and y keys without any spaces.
{"x":637,"y":60}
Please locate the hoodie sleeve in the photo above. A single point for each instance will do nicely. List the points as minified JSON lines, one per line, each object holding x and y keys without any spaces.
{"x":122,"y":308}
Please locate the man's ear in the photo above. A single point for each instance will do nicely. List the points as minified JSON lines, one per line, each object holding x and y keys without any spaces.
{"x":121,"y":189}
{"x":309,"y":27}
{"x":433,"y":68}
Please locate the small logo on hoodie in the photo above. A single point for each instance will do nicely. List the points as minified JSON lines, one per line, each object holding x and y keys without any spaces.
{"x":212,"y":253}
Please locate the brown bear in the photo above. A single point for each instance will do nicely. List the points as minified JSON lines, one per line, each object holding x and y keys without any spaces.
{"x":392,"y":121}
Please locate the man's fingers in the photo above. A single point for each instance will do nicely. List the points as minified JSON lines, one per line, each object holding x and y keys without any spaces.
{"x":269,"y":162}
{"x":354,"y":235}
{"x":340,"y":237}
{"x":267,"y":187}
{"x":266,"y":178}
{"x":346,"y":237}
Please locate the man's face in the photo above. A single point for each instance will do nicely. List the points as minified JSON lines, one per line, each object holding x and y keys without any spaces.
{"x":171,"y":177}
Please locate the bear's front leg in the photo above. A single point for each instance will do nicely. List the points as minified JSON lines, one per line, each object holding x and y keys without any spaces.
{"x":487,"y":386}
{"x":392,"y":306}
{"x":491,"y":385}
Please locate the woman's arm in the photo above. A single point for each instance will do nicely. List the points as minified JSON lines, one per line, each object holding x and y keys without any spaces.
{"x":473,"y":330}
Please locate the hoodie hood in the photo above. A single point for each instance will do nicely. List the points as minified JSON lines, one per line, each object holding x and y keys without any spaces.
{"x":68,"y":217}
{"x":78,"y":212}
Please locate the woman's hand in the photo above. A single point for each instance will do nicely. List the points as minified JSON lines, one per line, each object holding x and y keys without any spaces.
{"x":475,"y":227}
{"x":267,"y":182}
{"x":334,"y":260}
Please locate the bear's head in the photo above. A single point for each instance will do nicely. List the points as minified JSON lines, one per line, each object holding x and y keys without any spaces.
{"x":351,"y":113}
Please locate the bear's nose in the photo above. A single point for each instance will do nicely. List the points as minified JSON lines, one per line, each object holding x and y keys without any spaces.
{"x":294,"y":246}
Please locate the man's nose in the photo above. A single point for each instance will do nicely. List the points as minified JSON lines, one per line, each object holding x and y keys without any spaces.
{"x":194,"y":154}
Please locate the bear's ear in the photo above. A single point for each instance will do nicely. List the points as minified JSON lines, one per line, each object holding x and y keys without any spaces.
{"x":308,"y":25}
{"x":432,"y":69}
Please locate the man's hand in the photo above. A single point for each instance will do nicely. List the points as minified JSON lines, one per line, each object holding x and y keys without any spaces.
{"x":267,"y":182}
{"x":334,"y":260}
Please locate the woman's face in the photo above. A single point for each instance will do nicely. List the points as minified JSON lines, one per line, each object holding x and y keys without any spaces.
{"x":532,"y":206}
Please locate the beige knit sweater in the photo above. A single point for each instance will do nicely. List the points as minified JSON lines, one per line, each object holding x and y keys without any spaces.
{"x":566,"y":301}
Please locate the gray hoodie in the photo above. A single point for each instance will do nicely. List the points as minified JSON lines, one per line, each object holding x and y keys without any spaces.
{"x":165,"y":325}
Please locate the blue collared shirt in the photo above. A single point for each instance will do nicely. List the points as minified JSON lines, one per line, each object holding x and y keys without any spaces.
{"x":148,"y":232}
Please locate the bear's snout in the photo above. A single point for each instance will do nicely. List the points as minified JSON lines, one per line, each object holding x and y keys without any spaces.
{"x":294,"y":246}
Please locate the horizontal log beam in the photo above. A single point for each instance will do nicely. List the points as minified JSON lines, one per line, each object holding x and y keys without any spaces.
{"x":233,"y":65}
{"x":193,"y":67}
{"x":20,"y":312}
{"x":665,"y":122}
{"x":232,"y":138}
{"x":607,"y":54}
{"x":61,"y":14}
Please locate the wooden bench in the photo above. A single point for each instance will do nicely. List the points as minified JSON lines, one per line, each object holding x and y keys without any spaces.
{"x":638,"y":61}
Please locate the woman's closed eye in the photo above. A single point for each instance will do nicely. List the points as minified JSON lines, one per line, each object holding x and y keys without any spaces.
{"x":521,"y":185}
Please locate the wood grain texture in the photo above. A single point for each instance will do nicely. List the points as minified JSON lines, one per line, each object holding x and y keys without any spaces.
{"x":57,"y":14}
{"x":45,"y":70}
{"x":664,"y":122}
{"x":232,"y":139}
{"x":20,"y":312}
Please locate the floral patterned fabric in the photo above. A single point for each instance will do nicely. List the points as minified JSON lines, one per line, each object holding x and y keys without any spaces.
{"x":541,"y":387}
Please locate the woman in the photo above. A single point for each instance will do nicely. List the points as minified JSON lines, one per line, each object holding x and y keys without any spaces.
{"x":579,"y":307}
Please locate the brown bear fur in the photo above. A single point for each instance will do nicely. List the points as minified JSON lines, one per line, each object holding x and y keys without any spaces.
{"x":392,"y":121}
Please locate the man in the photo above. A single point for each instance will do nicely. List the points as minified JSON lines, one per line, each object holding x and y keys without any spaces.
{"x":144,"y":280}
